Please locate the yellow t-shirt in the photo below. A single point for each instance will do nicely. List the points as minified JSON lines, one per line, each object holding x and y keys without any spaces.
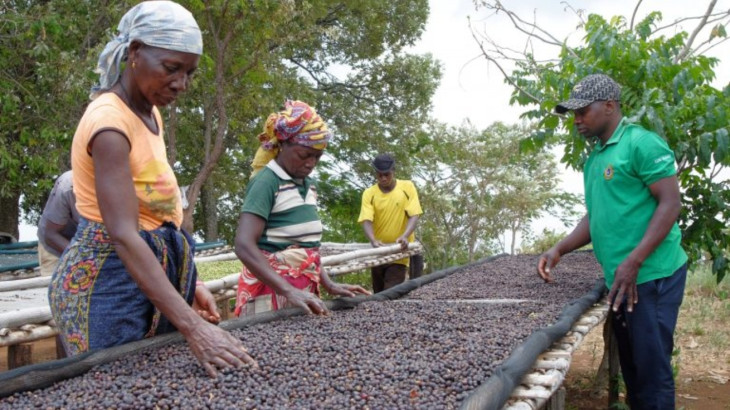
{"x":154,"y":181}
{"x":390,"y":211}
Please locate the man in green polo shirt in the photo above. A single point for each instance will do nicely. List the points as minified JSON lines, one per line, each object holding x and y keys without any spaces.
{"x":632,"y":201}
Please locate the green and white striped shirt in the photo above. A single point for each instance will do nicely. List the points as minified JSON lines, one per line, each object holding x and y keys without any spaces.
{"x":288,"y":207}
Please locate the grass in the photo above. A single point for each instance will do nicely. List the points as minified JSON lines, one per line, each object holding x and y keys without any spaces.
{"x":705,"y":311}
{"x":702,"y":333}
{"x":216,"y":270}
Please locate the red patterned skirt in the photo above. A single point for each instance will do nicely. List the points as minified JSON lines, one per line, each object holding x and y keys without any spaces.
{"x":299,"y":266}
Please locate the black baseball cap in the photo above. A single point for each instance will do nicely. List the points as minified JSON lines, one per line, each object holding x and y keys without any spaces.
{"x":595,"y":87}
{"x":383,"y":163}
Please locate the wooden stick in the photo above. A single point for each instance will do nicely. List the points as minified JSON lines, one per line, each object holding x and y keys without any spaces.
{"x":230,"y":256}
{"x":22,"y":284}
{"x":335,"y":246}
{"x":360,"y":265}
{"x":21,"y":336}
{"x":360,"y":253}
{"x":17,"y":318}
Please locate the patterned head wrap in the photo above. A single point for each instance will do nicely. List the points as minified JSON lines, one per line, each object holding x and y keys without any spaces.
{"x":162,"y":23}
{"x":297,"y":123}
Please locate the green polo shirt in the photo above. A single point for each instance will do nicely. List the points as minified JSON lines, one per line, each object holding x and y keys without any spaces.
{"x":620,"y":205}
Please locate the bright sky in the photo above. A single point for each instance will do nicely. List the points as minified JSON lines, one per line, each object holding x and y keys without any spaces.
{"x":474,"y":89}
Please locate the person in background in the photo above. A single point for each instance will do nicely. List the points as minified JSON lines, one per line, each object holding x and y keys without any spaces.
{"x":633,"y":202}
{"x":279,"y":230}
{"x":389,"y":214}
{"x":58,"y":223}
{"x":128,"y":273}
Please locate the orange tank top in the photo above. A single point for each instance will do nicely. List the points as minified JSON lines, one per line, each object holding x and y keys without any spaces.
{"x":154,"y":181}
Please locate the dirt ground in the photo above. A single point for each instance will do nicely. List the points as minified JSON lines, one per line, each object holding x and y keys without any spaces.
{"x":700,"y":385}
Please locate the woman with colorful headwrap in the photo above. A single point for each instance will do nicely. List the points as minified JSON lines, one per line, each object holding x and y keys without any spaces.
{"x":279,"y":230}
{"x":128,"y":273}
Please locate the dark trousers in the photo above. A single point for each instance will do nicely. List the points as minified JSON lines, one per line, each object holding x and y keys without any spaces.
{"x":387,"y":276}
{"x":645,"y":339}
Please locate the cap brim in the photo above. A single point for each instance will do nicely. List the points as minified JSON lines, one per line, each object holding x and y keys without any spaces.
{"x":392,"y":167}
{"x":572,"y":104}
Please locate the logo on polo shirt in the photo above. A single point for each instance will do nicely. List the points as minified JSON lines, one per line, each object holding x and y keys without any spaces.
{"x":608,"y":173}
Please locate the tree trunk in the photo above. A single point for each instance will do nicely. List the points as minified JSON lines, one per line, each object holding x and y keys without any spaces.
{"x":10,"y":214}
{"x":515,"y":229}
{"x":213,"y":149}
{"x":210,"y":211}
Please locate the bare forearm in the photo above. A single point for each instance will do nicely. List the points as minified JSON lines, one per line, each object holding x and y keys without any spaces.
{"x":367,"y":227}
{"x":659,"y":226}
{"x":411,"y":226}
{"x":581,"y":236}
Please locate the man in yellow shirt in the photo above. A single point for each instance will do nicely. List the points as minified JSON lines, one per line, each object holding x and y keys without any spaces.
{"x":389,"y":214}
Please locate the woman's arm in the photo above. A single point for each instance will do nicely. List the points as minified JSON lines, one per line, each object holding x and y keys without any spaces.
{"x":250,"y":229}
{"x":119,"y":210}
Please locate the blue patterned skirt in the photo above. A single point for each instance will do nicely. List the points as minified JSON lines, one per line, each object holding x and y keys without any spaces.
{"x":95,"y":302}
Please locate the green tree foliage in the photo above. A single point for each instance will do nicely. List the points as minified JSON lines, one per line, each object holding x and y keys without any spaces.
{"x":666,"y":87}
{"x":345,"y":58}
{"x":475,"y":184}
{"x":47,"y":50}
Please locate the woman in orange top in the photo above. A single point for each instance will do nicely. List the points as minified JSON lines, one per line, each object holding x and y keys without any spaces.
{"x":129,"y":272}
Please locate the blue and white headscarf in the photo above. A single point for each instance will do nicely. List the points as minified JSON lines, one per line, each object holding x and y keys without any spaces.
{"x":160,"y":23}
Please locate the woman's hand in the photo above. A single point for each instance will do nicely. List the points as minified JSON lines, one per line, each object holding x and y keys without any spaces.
{"x":306,"y":300}
{"x":204,"y":304}
{"x":343,"y":289}
{"x":217,"y":349}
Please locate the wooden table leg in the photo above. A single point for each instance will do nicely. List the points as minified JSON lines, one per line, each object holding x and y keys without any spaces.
{"x":20,"y":355}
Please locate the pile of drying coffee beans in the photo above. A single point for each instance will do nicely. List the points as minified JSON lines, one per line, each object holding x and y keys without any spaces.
{"x":428,"y":350}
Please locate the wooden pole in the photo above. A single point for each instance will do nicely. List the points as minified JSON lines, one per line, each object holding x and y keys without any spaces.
{"x":22,"y":284}
{"x":60,"y":351}
{"x":20,"y":355}
{"x":361,"y":253}
{"x":416,"y":268}
{"x":557,"y":400}
{"x":611,"y":348}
